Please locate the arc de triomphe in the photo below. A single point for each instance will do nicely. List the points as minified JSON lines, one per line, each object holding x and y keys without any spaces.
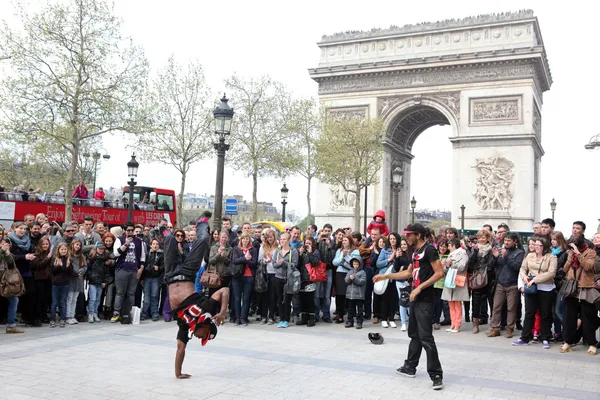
{"x":484,"y":76}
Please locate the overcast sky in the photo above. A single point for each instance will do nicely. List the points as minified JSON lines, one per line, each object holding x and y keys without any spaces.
{"x":279,"y":38}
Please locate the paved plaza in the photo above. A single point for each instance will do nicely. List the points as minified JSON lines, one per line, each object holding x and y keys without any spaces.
{"x":112,"y":361}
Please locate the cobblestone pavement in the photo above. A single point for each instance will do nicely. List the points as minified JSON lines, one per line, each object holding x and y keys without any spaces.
{"x":112,"y":361}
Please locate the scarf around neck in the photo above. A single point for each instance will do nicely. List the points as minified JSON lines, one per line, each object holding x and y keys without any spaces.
{"x":485,"y":249}
{"x":23,"y":243}
{"x":575,"y":259}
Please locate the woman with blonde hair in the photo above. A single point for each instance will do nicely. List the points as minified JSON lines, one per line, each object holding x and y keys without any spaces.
{"x":284,"y":259}
{"x":268,"y":305}
{"x":481,"y":269}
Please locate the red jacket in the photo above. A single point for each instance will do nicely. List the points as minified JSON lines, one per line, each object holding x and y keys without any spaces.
{"x":80,"y":192}
{"x":99,"y":195}
{"x":383,"y":228}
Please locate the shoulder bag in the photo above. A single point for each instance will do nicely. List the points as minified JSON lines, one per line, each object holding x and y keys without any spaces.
{"x":570,"y":288}
{"x":261,"y":282}
{"x":533,"y":288}
{"x":380,"y":287}
{"x":479,"y":278}
{"x":11,"y":284}
{"x":211,"y":279}
{"x":318,"y":273}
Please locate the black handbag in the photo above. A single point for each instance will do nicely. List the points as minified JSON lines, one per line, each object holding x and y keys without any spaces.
{"x":261,"y":278}
{"x":570,"y":288}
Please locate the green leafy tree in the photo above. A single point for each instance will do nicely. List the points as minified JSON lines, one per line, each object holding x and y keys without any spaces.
{"x":73,"y":77}
{"x":261,"y":143}
{"x":180,"y":134}
{"x":349,"y":153}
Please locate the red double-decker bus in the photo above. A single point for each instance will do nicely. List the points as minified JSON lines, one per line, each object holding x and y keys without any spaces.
{"x":150,"y":205}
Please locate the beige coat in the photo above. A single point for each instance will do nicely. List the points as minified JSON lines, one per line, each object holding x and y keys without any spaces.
{"x":531,"y":266}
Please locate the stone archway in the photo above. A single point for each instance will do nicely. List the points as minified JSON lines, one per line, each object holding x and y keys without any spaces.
{"x":484,"y":76}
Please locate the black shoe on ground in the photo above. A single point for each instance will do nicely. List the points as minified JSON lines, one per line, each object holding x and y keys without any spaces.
{"x":519,"y":326}
{"x":349,"y":324}
{"x":437,"y":383}
{"x":467,"y":318}
{"x":327,"y":320}
{"x":143,"y":317}
{"x":359,"y":325}
{"x":237,"y":322}
{"x":406,"y":372}
{"x":445,"y":323}
{"x":37,"y":323}
{"x":339,"y":320}
{"x":155,"y":318}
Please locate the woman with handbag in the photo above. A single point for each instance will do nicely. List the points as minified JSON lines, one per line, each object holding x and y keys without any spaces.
{"x":7,"y":263}
{"x":481,"y":267}
{"x":267,"y":300}
{"x":388,"y":301}
{"x":219,"y":261}
{"x":22,"y":251}
{"x":341,"y":261}
{"x":457,"y":260}
{"x":579,"y":295}
{"x":309,"y":258}
{"x":537,"y":274}
{"x":243,"y":265}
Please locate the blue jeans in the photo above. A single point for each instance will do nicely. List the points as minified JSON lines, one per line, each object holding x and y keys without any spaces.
{"x":323,"y":297}
{"x":151,"y":287}
{"x":12,"y":311}
{"x":59,"y":299}
{"x":94,"y":293}
{"x":242,"y":293}
{"x":559,"y":313}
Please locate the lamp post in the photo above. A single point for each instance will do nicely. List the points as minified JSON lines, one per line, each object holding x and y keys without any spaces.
{"x":413,"y":205}
{"x":397,"y":175}
{"x":132,"y":170}
{"x":223,"y":115}
{"x":284,"y":195}
{"x":96,"y":157}
{"x":462,"y":220}
{"x":553,"y":207}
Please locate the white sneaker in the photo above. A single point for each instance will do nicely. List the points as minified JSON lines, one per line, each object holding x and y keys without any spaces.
{"x":96,"y":318}
{"x":449,"y":330}
{"x":454,"y":331}
{"x":393,"y":324}
{"x":90,"y":318}
{"x":70,"y":321}
{"x":75,"y":321}
{"x":403,"y":327}
{"x":384,"y":324}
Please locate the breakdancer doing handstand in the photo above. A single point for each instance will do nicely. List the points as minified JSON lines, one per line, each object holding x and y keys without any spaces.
{"x":196,"y":315}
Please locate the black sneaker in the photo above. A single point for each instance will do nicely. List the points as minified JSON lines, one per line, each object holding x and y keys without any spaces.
{"x":327,"y":320}
{"x":406,"y":372}
{"x":437,"y":383}
{"x":359,"y":325}
{"x":349,"y":324}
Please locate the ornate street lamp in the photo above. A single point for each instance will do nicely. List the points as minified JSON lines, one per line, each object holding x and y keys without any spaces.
{"x":413,"y":205}
{"x":223,"y":115}
{"x":96,"y":157}
{"x":284,"y":196}
{"x":132,"y":171}
{"x":397,"y":175}
{"x":553,"y":207}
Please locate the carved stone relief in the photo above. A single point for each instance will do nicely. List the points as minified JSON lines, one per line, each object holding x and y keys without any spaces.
{"x":493,"y":185}
{"x":341,"y":200}
{"x":450,"y":99}
{"x":348,"y":112}
{"x":426,"y":76}
{"x":537,"y":121}
{"x":494,"y":110}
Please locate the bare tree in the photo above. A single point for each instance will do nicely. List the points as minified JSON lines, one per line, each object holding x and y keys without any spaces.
{"x":261,"y":142}
{"x":75,"y":77}
{"x":180,"y":120}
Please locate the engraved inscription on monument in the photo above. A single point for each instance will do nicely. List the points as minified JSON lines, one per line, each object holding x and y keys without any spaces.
{"x":495,"y":110}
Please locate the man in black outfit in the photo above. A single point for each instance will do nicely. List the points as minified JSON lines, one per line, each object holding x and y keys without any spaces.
{"x":425,"y":270}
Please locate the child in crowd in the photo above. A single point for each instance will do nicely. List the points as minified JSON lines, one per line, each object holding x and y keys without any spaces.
{"x":379,"y":222}
{"x":356,"y":279}
{"x":98,"y":277}
{"x":76,"y":282}
{"x":62,"y":270}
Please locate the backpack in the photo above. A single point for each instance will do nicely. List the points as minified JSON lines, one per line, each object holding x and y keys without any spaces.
{"x":11,"y":283}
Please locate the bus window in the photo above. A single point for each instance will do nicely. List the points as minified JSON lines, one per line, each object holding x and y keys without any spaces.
{"x":164,"y":202}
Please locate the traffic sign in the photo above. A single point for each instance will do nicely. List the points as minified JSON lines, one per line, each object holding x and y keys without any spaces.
{"x":231,"y":206}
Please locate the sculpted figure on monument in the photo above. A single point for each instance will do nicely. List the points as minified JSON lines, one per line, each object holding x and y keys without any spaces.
{"x":341,"y":199}
{"x":493,"y":184}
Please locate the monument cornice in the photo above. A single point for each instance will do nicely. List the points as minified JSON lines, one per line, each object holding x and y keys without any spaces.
{"x":500,"y":140}
{"x":431,"y":27}
{"x":410,"y":76}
